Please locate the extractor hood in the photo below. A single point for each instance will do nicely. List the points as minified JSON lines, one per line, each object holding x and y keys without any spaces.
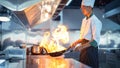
{"x":29,"y":13}
{"x":112,"y":11}
{"x":18,"y":5}
{"x":40,"y":12}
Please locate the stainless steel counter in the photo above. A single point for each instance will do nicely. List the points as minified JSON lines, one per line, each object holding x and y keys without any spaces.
{"x":8,"y":64}
{"x":13,"y":58}
{"x":45,"y":61}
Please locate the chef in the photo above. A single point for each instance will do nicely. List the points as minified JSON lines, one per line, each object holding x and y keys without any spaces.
{"x":89,"y":35}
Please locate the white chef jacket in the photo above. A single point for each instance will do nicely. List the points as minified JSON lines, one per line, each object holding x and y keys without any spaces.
{"x":91,"y":29}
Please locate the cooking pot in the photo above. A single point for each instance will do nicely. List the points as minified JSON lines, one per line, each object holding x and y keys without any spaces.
{"x":37,"y":50}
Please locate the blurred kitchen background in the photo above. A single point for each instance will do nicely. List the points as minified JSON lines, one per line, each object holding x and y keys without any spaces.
{"x":28,"y":20}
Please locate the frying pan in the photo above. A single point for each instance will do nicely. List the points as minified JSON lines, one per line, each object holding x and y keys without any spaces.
{"x":59,"y":53}
{"x":36,"y":50}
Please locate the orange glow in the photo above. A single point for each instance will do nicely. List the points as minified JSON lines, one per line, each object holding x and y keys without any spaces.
{"x":58,"y":63}
{"x":48,"y":62}
{"x":52,"y":42}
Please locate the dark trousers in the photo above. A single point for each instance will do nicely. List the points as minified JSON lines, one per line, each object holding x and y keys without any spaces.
{"x":89,"y":56}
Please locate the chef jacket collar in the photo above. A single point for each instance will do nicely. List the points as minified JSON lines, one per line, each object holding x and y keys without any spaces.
{"x":89,"y":16}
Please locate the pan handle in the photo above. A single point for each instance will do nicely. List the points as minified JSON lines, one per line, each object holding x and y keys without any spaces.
{"x":68,"y":48}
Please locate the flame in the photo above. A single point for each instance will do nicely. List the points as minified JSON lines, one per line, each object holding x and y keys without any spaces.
{"x":61,"y":34}
{"x":45,"y":41}
{"x":52,"y":42}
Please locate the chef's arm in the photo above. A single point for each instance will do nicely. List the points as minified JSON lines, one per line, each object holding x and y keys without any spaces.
{"x":79,"y":41}
{"x":85,"y":45}
{"x":76,"y":42}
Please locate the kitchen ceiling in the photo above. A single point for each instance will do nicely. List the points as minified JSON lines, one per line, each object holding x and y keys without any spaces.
{"x":75,"y":4}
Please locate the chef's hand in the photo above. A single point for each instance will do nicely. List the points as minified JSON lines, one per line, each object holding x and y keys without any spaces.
{"x":73,"y":44}
{"x":78,"y":48}
{"x":76,"y":42}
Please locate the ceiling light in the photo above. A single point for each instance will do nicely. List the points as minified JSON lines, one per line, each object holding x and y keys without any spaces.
{"x":5,"y":18}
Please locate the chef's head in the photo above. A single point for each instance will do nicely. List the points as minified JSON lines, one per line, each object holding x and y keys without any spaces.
{"x":87,"y":7}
